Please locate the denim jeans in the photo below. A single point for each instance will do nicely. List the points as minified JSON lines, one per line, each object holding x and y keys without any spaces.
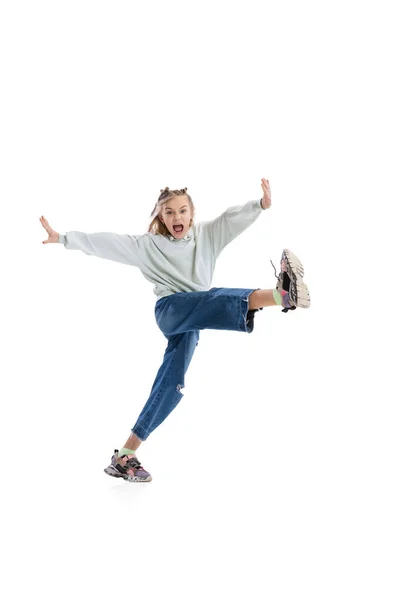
{"x":180,"y":317}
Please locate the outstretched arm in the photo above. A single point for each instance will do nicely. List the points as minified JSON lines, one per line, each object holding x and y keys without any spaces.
{"x":112,"y":246}
{"x":236,"y":219}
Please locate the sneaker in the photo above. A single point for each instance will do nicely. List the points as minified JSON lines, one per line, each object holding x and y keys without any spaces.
{"x":128,"y":467}
{"x":290,"y":280}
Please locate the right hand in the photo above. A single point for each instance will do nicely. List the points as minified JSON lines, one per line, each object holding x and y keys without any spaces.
{"x":53,"y":235}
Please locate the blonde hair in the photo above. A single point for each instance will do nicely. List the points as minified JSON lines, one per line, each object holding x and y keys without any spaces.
{"x":157,"y":226}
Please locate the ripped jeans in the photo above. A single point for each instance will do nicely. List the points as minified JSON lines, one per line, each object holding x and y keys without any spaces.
{"x":180,"y":317}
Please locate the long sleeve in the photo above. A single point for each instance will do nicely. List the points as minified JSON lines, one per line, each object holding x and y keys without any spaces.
{"x":231,"y":223}
{"x":111,"y":246}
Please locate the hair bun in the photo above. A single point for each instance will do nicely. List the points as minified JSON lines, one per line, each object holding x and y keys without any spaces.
{"x":163,"y":193}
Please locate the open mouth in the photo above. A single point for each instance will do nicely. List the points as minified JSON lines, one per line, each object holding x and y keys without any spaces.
{"x":178,"y":228}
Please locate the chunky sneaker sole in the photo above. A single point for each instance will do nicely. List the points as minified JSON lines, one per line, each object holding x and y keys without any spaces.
{"x":291,"y":280}
{"x":128,"y":468}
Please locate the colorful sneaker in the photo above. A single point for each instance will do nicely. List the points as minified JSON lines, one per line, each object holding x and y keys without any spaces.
{"x":290,"y":280}
{"x":128,"y":467}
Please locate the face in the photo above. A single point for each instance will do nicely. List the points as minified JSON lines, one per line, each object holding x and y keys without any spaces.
{"x":174,"y":213}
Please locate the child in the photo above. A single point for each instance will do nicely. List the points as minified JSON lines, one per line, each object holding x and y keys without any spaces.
{"x":179,"y":257}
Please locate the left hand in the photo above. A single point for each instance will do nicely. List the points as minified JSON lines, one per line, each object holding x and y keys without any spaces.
{"x":266,"y":199}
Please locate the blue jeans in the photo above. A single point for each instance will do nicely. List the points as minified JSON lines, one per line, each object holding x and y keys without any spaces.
{"x":180,"y":317}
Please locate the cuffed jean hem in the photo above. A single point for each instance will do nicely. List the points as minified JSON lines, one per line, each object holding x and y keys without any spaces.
{"x":243,"y":312}
{"x":140,"y":433}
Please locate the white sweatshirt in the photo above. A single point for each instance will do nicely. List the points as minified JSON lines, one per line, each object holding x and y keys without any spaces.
{"x":172,"y":265}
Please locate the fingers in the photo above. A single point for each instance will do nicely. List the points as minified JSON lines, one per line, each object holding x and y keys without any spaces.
{"x":266,"y":187}
{"x":47,"y":227}
{"x":266,"y":193}
{"x":45,"y":223}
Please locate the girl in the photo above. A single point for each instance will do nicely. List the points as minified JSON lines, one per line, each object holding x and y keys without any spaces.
{"x":178,"y":257}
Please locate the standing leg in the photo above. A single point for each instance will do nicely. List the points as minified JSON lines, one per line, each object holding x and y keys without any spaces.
{"x":164,"y":397}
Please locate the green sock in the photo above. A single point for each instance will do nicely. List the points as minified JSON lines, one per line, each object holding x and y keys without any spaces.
{"x":125,"y":451}
{"x":277,"y":297}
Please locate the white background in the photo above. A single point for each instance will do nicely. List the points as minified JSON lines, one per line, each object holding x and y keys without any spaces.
{"x":277,"y":475}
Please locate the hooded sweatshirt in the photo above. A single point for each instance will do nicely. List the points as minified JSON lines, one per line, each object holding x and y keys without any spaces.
{"x":171,"y":265}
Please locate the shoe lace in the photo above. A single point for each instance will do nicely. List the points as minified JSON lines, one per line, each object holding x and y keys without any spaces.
{"x":274,"y":268}
{"x":133,"y":463}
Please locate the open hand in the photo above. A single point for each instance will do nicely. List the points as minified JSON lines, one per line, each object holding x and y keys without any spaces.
{"x":266,"y":199}
{"x":53,"y":235}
